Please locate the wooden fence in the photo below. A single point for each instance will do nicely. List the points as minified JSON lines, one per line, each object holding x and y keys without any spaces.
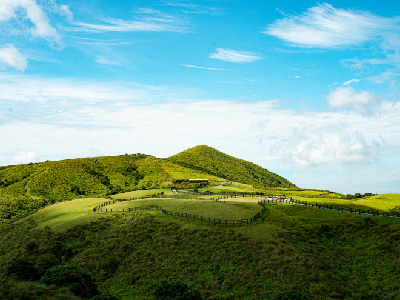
{"x":269,"y":199}
{"x":102,"y":208}
{"x":338,"y":208}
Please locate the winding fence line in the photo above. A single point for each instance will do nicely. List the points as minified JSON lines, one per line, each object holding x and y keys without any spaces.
{"x":267,"y":199}
{"x":102,"y":208}
{"x":331,"y":207}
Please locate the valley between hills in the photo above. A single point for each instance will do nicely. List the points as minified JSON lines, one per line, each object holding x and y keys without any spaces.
{"x":89,"y":228}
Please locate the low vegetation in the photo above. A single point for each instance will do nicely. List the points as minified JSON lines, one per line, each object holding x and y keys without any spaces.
{"x":292,"y":252}
{"x":51,"y":248}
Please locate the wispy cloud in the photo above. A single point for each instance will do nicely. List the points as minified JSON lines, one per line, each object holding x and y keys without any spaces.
{"x":64,"y":10}
{"x":350,"y":81}
{"x":235,"y":56}
{"x":12,"y":9}
{"x":324,"y":26}
{"x":107,"y":61}
{"x":25,"y":88}
{"x":11,"y":57}
{"x":191,"y":8}
{"x":146,"y":20}
{"x":205,"y":68}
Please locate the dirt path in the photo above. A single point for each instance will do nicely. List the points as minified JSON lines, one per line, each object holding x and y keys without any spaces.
{"x":28,"y":192}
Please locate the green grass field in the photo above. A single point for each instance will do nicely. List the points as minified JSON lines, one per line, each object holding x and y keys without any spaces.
{"x":383,"y":202}
{"x":141,"y":193}
{"x":232,"y":210}
{"x":224,"y":189}
{"x":64,"y":215}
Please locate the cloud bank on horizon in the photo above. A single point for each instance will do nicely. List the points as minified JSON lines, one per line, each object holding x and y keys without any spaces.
{"x":312,"y":95}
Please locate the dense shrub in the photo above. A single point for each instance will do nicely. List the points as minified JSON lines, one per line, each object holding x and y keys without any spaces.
{"x":175,"y":291}
{"x":290,"y":295}
{"x":78,"y":281}
{"x":105,"y":297}
{"x":31,"y":247}
{"x":22,"y":270}
{"x":16,"y":290}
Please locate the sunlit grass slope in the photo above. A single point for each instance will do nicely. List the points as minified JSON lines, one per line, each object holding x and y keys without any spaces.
{"x":63,"y":215}
{"x":206,"y":208}
{"x":214,"y":162}
{"x":24,"y":188}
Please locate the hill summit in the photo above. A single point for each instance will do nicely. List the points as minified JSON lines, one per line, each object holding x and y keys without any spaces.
{"x":212,"y":161}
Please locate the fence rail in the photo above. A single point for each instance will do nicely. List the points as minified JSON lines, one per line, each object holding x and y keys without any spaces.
{"x":338,"y":208}
{"x":267,"y":199}
{"x":102,"y":208}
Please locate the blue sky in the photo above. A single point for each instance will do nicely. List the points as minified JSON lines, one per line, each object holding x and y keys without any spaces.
{"x":309,"y":90}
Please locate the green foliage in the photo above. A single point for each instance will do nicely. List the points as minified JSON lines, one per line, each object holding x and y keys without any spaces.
{"x":15,"y":290}
{"x":175,"y":290}
{"x":79,"y":282}
{"x":22,"y":270}
{"x":214,"y":162}
{"x":290,"y":295}
{"x":323,"y":254}
{"x":105,"y":297}
{"x":31,"y":247}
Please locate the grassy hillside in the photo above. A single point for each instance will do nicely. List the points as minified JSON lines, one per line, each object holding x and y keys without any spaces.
{"x":214,"y":162}
{"x":292,"y":251}
{"x":24,"y":188}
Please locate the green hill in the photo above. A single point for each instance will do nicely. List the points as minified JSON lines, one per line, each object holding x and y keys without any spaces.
{"x":214,"y":162}
{"x":24,"y":188}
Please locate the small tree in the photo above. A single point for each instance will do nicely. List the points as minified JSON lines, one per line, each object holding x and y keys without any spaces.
{"x":105,"y":297}
{"x":22,"y":270}
{"x":290,"y":295}
{"x":79,"y":282}
{"x":175,"y":291}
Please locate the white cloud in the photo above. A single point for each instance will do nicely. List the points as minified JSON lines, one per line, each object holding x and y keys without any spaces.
{"x":23,"y":157}
{"x":26,"y":88}
{"x":64,"y":10}
{"x":146,"y":20}
{"x":59,"y":119}
{"x":348,"y":98}
{"x":205,"y":68}
{"x":326,"y":145}
{"x":235,"y":56}
{"x":11,"y":57}
{"x":107,"y":61}
{"x":11,"y":9}
{"x":110,"y":24}
{"x":389,"y":75}
{"x":324,"y":26}
{"x":351,"y":81}
{"x":190,"y":8}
